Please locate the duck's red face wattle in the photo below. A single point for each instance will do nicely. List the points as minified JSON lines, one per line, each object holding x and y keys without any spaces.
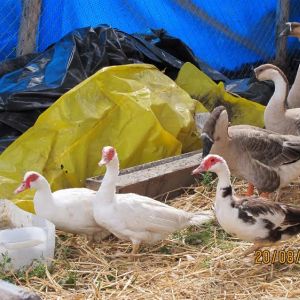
{"x":207,"y":163}
{"x":108,"y":154}
{"x":26,"y":184}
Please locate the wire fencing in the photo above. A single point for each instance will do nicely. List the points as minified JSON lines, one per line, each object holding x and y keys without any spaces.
{"x":231,"y":38}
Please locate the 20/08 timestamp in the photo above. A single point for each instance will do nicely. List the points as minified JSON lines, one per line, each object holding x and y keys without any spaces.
{"x":281,"y":256}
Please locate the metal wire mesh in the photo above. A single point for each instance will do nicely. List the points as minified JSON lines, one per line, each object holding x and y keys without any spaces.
{"x":209,"y":30}
{"x":10,"y":16}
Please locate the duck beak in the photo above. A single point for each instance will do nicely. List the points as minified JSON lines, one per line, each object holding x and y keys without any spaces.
{"x":287,"y":30}
{"x":198,"y":170}
{"x":21,"y":188}
{"x":102,"y":162}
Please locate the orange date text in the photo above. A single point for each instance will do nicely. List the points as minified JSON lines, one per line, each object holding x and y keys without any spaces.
{"x":277,"y":256}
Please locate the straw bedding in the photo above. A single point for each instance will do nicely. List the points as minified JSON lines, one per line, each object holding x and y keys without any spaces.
{"x":195,"y":263}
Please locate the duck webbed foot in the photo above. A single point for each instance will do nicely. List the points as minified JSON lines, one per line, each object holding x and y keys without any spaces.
{"x":250,"y":189}
{"x":90,"y":239}
{"x":135,"y":248}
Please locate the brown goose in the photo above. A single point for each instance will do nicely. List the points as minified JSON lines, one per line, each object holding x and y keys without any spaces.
{"x":293,"y":100}
{"x":265,"y":159}
{"x":277,"y":116}
{"x":252,"y":219}
{"x":291,"y":29}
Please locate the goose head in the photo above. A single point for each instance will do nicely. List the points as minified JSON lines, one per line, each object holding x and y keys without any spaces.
{"x":215,"y":129}
{"x":109,"y":154}
{"x":268,"y":72}
{"x":31,"y":180}
{"x":212,"y":163}
{"x":291,"y":29}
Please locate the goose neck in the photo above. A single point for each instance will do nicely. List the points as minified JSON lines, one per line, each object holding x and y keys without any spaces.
{"x":277,"y":104}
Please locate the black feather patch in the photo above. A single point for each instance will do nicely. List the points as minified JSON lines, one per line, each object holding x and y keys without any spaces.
{"x":275,"y":235}
{"x":292,"y":216}
{"x":292,"y":230}
{"x":227,"y":191}
{"x":256,"y":208}
{"x":269,"y":224}
{"x":245,"y":217}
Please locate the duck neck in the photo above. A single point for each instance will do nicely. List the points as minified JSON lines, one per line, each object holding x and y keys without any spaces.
{"x":224,"y":188}
{"x":107,"y":189}
{"x":276,"y":107}
{"x":43,"y":198}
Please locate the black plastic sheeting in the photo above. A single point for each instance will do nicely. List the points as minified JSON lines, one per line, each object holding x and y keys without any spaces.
{"x":30,"y":84}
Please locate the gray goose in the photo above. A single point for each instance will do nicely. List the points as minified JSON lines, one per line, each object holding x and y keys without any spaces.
{"x":253,"y":219}
{"x":293,"y":99}
{"x":267,"y":160}
{"x":277,"y":116}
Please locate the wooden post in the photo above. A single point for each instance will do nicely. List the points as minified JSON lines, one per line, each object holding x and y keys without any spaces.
{"x":29,"y":24}
{"x":282,"y":16}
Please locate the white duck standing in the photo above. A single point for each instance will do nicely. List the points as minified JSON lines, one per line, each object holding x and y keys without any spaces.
{"x":69,"y":209}
{"x":253,"y":219}
{"x":134,"y":217}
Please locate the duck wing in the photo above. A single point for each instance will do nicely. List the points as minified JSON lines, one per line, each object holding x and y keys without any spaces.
{"x":140,"y":213}
{"x":267,"y":147}
{"x":280,"y":219}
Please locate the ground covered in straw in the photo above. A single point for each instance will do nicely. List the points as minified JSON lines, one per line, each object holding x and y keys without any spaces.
{"x":196,"y":263}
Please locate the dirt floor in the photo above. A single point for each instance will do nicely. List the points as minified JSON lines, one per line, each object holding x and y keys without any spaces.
{"x":196,"y":263}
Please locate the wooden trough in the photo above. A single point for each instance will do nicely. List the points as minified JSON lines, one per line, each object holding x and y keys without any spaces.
{"x":160,"y":179}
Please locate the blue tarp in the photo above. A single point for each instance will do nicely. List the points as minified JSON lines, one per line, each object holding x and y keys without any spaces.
{"x":223,"y":33}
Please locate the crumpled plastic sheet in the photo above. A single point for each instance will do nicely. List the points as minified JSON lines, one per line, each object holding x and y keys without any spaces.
{"x":210,"y":94}
{"x":135,"y":108}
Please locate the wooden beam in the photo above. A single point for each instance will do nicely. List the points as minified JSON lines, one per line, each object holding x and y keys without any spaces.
{"x":161,"y":179}
{"x":282,"y":16}
{"x":29,"y":25}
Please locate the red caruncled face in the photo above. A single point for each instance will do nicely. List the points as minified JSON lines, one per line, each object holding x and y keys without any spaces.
{"x":108,"y":153}
{"x":209,"y":161}
{"x":29,"y":179}
{"x":26,"y":184}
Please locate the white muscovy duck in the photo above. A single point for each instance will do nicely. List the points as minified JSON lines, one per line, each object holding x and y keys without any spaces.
{"x":253,"y":219}
{"x":69,"y":209}
{"x":134,"y":217}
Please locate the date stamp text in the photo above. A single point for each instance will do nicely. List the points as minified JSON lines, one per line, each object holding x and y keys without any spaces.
{"x":281,"y":256}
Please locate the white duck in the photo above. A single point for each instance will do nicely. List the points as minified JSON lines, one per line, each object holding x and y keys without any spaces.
{"x":134,"y":217}
{"x":69,"y":209}
{"x":253,"y":218}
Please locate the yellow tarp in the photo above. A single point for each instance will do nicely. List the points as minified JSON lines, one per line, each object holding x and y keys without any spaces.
{"x":135,"y":108}
{"x":201,"y":87}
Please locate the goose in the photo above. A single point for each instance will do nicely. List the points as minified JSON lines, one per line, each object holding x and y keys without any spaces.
{"x":267,"y":160}
{"x":277,"y":116}
{"x":133,"y":217}
{"x":69,"y":209}
{"x":291,"y":29}
{"x":252,"y":219}
{"x":293,"y":100}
